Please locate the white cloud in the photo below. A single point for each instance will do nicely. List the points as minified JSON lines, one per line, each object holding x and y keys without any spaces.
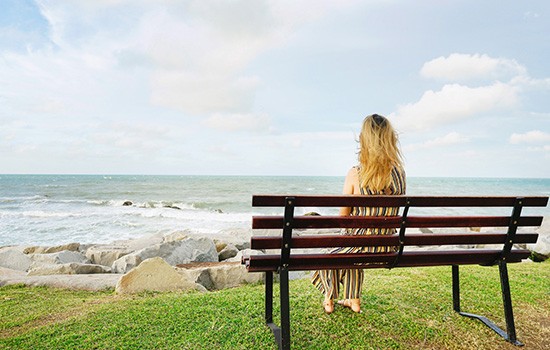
{"x":452,"y":138}
{"x":464,"y":67}
{"x":193,"y":55}
{"x":535,"y":136}
{"x":453,"y":103}
{"x":456,"y":102}
{"x":528,"y":83}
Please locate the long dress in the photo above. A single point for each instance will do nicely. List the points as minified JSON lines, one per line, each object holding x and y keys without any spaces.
{"x":329,"y":281}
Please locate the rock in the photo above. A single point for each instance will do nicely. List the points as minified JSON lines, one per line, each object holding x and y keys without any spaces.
{"x":232,"y":275}
{"x":14,"y":259}
{"x":228,"y":252}
{"x":203,"y":278}
{"x":73,"y":247}
{"x":141,"y":242}
{"x":239,"y":237}
{"x":106,"y":254}
{"x":62,"y":257}
{"x":177,"y":236}
{"x":38,"y":269}
{"x":127,"y":203}
{"x":246,"y":252}
{"x":536,"y":257}
{"x":196,"y":272}
{"x":128,"y":262}
{"x":154,"y":274}
{"x":217,"y":276}
{"x":219,"y":245}
{"x":6,"y":272}
{"x":242,"y":245}
{"x":177,"y":252}
{"x":540,"y":251}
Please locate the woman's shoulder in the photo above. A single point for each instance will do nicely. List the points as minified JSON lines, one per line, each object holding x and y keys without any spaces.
{"x":353,"y":171}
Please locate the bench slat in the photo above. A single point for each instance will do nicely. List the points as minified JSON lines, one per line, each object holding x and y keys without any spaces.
{"x":303,"y":262}
{"x":330,"y":241}
{"x":303,"y":222}
{"x":396,"y":201}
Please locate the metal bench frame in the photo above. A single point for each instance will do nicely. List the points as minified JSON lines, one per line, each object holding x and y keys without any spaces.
{"x":286,"y":262}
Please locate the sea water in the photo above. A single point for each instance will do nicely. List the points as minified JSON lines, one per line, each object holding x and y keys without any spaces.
{"x":58,"y":209}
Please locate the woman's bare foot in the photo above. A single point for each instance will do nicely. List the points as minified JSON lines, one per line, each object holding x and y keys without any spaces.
{"x":353,"y":304}
{"x":328,"y":305}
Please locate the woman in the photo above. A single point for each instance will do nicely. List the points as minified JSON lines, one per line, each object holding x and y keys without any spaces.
{"x":380,"y":172}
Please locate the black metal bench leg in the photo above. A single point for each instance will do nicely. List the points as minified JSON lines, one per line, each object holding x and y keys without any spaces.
{"x":285,"y":309}
{"x":268,"y":297}
{"x":505,"y":286}
{"x":507,"y":301}
{"x":456,"y":289}
{"x":269,"y":308}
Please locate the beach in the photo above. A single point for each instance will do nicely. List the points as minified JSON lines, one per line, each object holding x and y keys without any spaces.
{"x":107,"y":218}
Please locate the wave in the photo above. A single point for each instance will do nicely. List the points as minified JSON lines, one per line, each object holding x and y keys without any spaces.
{"x":218,"y":207}
{"x":21,"y":198}
{"x":39,"y":214}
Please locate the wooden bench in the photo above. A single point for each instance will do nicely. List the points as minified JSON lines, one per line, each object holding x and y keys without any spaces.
{"x":407,"y":252}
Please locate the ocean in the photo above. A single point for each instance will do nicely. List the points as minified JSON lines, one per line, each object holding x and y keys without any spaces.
{"x":58,"y":209}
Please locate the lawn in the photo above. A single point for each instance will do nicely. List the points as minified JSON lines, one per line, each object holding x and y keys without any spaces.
{"x":402,"y":309}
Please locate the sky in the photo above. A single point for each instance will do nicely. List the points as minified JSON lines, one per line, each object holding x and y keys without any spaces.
{"x":266,"y":87}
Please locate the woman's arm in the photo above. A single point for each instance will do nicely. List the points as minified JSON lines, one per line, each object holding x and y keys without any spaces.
{"x":349,"y":188}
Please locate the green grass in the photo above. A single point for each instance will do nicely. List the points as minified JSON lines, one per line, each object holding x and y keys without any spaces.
{"x":402,"y":309}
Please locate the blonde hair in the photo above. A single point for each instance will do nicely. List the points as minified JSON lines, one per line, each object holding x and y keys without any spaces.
{"x":378,"y":153}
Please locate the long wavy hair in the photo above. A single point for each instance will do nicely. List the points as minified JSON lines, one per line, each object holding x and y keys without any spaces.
{"x":378,"y":153}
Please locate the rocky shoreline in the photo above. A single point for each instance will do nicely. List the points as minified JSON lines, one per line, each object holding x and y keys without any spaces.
{"x":182,"y":260}
{"x":178,"y":261}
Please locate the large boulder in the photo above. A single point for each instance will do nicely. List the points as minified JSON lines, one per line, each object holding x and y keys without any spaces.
{"x":239,"y":237}
{"x":229,"y":251}
{"x":140,"y":242}
{"x":14,"y":259}
{"x":61,"y":257}
{"x":154,"y":274}
{"x":7,"y":273}
{"x":245,"y":252}
{"x":106,"y":254}
{"x":217,"y":276}
{"x":219,"y":245}
{"x":73,"y":247}
{"x":232,"y":275}
{"x":176,"y":252}
{"x":177,"y":236}
{"x":540,"y":251}
{"x":39,"y":269}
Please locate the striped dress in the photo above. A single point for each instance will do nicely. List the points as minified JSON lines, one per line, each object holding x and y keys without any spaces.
{"x":329,"y":281}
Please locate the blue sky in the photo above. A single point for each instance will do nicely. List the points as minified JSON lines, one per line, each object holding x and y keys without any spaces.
{"x":273,"y":87}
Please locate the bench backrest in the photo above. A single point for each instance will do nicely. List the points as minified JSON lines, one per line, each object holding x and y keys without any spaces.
{"x":309,"y":261}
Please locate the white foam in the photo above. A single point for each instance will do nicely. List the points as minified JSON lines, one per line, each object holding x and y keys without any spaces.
{"x":43,"y":214}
